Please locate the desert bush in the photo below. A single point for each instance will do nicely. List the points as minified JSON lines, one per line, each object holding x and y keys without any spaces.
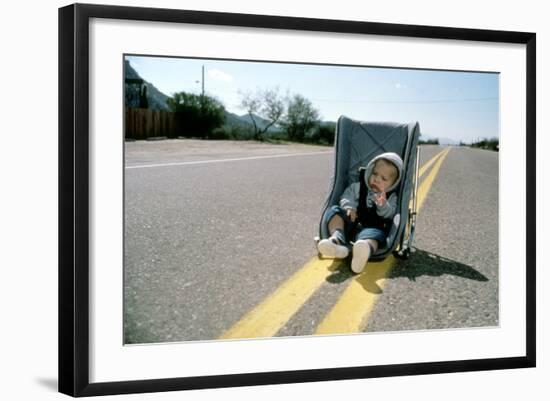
{"x":196,"y":115}
{"x":486,"y":143}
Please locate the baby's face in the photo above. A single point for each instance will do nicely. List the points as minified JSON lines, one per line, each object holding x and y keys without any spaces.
{"x":383,"y":175}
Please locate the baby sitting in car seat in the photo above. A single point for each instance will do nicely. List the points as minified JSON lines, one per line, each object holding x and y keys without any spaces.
{"x":366,"y":211}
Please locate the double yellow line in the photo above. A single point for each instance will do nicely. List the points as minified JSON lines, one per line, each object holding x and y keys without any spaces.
{"x":352,"y":309}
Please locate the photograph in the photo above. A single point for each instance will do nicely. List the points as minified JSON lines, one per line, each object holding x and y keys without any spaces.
{"x":267,"y":199}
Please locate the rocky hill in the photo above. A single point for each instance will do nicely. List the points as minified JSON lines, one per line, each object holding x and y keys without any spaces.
{"x":133,"y":85}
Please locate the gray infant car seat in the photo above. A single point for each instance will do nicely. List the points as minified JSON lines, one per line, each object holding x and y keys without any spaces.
{"x":356,"y":143}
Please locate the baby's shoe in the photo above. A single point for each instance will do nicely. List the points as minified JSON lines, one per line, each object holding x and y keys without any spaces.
{"x":331,"y":248}
{"x":361,"y":255}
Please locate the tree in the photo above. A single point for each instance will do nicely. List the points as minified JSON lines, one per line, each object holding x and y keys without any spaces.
{"x":324,"y":133}
{"x":196,"y":115}
{"x":266,"y":104}
{"x":300,"y":118}
{"x":143,"y":101}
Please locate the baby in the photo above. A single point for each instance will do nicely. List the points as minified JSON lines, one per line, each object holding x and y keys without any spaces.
{"x":373,"y":216}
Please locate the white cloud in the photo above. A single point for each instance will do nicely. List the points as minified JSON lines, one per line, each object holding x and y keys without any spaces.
{"x":399,"y":85}
{"x":219,"y":75}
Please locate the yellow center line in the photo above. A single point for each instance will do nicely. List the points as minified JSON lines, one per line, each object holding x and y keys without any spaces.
{"x":427,"y":184}
{"x":269,"y":316}
{"x":355,"y":305}
{"x":272,"y":314}
{"x":426,"y":166}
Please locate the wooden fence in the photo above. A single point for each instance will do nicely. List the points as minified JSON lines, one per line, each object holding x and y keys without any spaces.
{"x":146,"y":123}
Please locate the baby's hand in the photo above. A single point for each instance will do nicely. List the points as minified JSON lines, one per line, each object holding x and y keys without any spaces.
{"x":380,"y":198}
{"x":379,"y":195}
{"x":352,"y":214}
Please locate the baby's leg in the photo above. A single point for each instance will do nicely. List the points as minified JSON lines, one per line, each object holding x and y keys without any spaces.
{"x":335,"y":223}
{"x":362,"y":251}
{"x":334,"y":247}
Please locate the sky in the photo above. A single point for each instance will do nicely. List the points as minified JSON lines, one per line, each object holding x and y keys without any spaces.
{"x":461,"y":106}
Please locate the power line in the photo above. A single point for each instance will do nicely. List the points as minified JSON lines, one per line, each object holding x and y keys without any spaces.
{"x":408,"y":101}
{"x":434,"y":101}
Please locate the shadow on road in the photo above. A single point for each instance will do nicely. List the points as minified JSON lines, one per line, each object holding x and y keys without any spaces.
{"x":423,"y":263}
{"x":420,"y":263}
{"x":375,"y":271}
{"x":340,"y":272}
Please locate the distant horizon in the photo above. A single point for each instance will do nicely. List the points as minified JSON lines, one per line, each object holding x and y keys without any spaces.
{"x":451,"y":105}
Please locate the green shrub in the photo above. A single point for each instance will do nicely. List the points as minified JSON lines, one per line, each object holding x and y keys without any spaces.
{"x":196,"y":115}
{"x":487,"y":143}
{"x":326,"y":133}
{"x":428,"y":142}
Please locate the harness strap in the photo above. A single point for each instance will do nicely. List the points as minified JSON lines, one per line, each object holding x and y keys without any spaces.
{"x":362,"y":207}
{"x":368,"y":216}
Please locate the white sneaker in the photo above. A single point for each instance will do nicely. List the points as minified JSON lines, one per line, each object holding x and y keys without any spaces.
{"x":361,"y":255}
{"x":330,"y":249}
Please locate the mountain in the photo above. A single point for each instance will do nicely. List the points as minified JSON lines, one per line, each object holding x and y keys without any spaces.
{"x":260,"y":122}
{"x":133,"y":84}
{"x":442,"y":140}
{"x":234,"y":119}
{"x":447,"y":141}
{"x":245,"y":121}
{"x":129,"y":72}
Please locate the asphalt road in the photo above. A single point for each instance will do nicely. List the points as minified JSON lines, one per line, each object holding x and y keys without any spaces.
{"x":212,"y":229}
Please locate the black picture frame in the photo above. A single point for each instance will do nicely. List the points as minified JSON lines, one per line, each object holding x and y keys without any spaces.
{"x":74,"y":194}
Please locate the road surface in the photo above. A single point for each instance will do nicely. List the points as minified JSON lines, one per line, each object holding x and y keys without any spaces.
{"x":219,"y":244}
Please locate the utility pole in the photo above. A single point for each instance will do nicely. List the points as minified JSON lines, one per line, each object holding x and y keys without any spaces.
{"x":203,"y":81}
